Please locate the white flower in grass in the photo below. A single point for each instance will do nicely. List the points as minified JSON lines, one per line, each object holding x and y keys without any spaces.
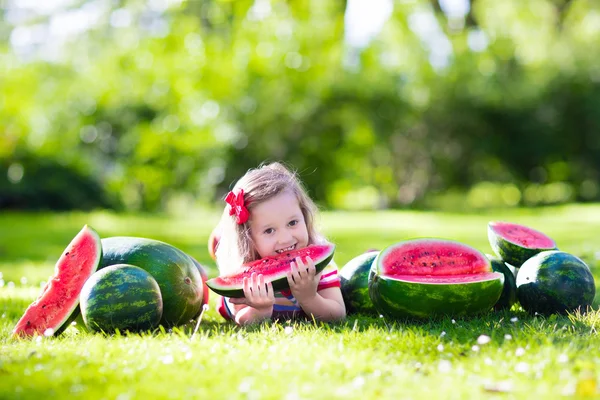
{"x":167,"y":359}
{"x":522,"y":367}
{"x":475,"y":348}
{"x":49,"y":332}
{"x":507,"y":337}
{"x":358,"y":382}
{"x":288,"y":330}
{"x":10,"y":285}
{"x":23,"y":280}
{"x":563,"y":358}
{"x":443,"y":334}
{"x":483,"y":339}
{"x":519,"y":352}
{"x":514,"y":319}
{"x":488,"y":361}
{"x":453,"y":321}
{"x":444,"y":366}
{"x":440,"y":347}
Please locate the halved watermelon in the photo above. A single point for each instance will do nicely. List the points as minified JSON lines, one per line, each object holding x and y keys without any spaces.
{"x":423,"y":278}
{"x":515,"y":243}
{"x":60,"y":297}
{"x":273,"y":268}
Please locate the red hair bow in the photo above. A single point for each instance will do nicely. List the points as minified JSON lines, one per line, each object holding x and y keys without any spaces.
{"x":236,"y":206}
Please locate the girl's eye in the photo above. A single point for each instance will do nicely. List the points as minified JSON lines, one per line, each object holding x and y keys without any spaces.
{"x":293,"y":222}
{"x":269,"y":231}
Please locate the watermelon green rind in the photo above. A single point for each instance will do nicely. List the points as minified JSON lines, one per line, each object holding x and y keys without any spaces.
{"x":509,"y":292}
{"x":555,"y":282}
{"x":396,"y":298}
{"x":354,"y":279}
{"x":430,"y":277}
{"x":179,"y":279}
{"x":511,"y":252}
{"x":274,"y":269}
{"x":123,"y":297}
{"x":58,"y":303}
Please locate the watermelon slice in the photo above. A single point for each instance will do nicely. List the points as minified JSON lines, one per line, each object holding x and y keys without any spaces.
{"x":424,"y":278}
{"x":50,"y":312}
{"x":515,"y":243}
{"x":273,"y":268}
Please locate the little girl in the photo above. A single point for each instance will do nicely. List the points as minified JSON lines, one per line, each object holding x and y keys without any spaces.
{"x":268,"y":212}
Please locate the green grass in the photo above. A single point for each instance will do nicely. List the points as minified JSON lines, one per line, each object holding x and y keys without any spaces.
{"x":362,"y":357}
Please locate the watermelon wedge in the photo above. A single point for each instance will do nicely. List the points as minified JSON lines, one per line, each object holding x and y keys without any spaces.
{"x":425,"y":278}
{"x":59,"y":299}
{"x":273,"y":268}
{"x":515,"y":243}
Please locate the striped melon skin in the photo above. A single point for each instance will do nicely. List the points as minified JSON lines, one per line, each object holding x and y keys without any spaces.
{"x":354,"y":277}
{"x":555,"y":282}
{"x":509,"y":293}
{"x":427,"y":277}
{"x":123,"y":297}
{"x":515,"y":243}
{"x":179,"y":279}
{"x":419,"y":297}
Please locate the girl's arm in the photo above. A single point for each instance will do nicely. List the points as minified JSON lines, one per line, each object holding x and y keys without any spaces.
{"x":257,"y":303}
{"x":326,"y":304}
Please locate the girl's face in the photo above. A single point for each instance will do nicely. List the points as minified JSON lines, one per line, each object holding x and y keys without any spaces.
{"x":277,"y":225}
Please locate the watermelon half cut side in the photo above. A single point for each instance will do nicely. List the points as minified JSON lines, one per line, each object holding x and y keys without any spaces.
{"x":425,"y":278}
{"x":515,"y":243}
{"x":273,"y":268}
{"x":59,"y":299}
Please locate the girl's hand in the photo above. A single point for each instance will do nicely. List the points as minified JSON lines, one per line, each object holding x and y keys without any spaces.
{"x":257,"y":294}
{"x":303,"y":279}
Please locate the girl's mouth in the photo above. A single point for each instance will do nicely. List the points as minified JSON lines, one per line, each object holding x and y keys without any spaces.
{"x":292,"y":247}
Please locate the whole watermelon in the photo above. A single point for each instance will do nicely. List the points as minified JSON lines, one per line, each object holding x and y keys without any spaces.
{"x":177,"y":276}
{"x":123,"y":297}
{"x":354,"y":278}
{"x":509,"y":292}
{"x":555,"y":282}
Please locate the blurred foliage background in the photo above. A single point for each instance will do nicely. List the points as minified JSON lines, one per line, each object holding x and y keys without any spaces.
{"x":162,"y":104}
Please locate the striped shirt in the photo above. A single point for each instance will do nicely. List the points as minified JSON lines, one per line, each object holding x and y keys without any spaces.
{"x":286,"y":306}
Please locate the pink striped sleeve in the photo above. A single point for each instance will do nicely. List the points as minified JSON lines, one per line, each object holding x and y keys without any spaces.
{"x":329,"y":277}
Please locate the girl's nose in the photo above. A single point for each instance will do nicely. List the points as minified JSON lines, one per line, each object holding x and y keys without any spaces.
{"x":285,"y":237}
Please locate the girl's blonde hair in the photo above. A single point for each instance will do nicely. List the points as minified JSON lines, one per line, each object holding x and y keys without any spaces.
{"x":260,"y":184}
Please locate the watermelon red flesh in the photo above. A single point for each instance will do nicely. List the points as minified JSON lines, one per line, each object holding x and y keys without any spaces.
{"x":515,"y":243}
{"x":437,"y":257}
{"x":273,"y":268}
{"x":522,"y":235}
{"x":60,"y":297}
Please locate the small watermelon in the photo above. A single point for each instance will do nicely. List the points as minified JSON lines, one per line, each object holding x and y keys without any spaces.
{"x":514,"y":243}
{"x":354,"y":278}
{"x":123,"y":297}
{"x":179,"y":279}
{"x":58,"y":303}
{"x":425,"y":278}
{"x":509,"y":293}
{"x":274,"y":269}
{"x":555,"y":282}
